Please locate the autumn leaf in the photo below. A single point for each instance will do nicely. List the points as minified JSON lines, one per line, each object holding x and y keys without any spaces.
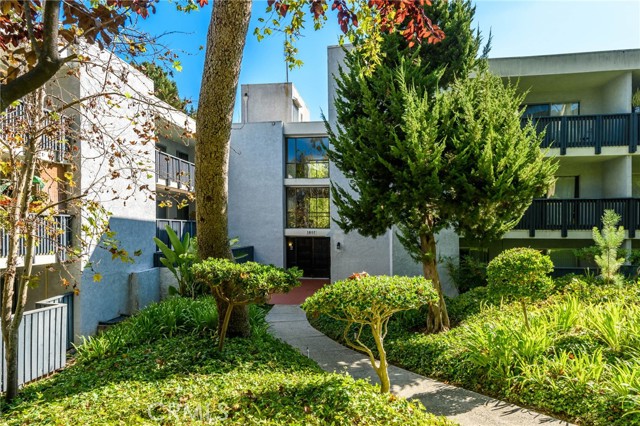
{"x":97,"y":278}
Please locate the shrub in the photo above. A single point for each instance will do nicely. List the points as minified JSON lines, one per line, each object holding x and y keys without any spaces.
{"x":155,"y":322}
{"x":609,"y":242}
{"x":521,"y":273}
{"x":240,"y":284}
{"x":468,"y":274}
{"x":370,"y":301}
{"x":179,"y":259}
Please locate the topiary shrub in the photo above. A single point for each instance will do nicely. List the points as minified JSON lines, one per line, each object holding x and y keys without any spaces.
{"x":370,"y":301}
{"x":243,"y":283}
{"x":521,"y":273}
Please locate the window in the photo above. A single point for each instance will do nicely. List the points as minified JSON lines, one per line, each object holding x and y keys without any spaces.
{"x":307,"y":158}
{"x":552,"y":110}
{"x":182,"y":155}
{"x":565,"y":187}
{"x":308,"y":207}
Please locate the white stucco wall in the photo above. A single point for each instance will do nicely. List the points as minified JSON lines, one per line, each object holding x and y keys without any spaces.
{"x":256,"y":191}
{"x":133,"y":219}
{"x":616,"y":177}
{"x":617,"y":93}
{"x":272,"y":102}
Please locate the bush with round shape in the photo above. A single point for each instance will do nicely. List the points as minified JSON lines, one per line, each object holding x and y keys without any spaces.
{"x":240,"y":284}
{"x":522,"y":273}
{"x":370,"y":301}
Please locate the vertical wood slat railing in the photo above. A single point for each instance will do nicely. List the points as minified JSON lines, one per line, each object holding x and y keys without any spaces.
{"x":51,"y":238}
{"x":43,"y":340}
{"x":176,"y":170}
{"x":585,"y":131}
{"x":563,"y":215}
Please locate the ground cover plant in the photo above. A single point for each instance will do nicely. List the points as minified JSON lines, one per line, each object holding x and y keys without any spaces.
{"x":161,"y":367}
{"x":579,"y":359}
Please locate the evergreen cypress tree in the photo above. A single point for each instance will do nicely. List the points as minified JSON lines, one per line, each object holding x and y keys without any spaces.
{"x":164,"y":87}
{"x":425,"y":147}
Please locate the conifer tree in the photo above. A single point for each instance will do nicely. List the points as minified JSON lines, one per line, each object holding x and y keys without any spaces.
{"x":424,"y":147}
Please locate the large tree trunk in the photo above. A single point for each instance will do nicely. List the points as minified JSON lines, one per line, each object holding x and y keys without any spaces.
{"x":438,"y":318}
{"x":225,"y":43}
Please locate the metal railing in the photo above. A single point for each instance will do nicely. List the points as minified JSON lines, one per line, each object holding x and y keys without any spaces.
{"x":175,"y":170}
{"x":586,"y":131}
{"x":52,"y":237}
{"x":578,"y":214}
{"x":54,"y":142}
{"x":43,"y":340}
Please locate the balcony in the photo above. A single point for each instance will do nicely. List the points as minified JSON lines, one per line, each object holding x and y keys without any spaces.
{"x":52,"y":237}
{"x":590,"y":131}
{"x":175,"y":172}
{"x":578,"y":214}
{"x":53,"y":144}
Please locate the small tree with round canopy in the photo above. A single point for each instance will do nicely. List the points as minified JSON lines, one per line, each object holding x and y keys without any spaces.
{"x":370,"y":301}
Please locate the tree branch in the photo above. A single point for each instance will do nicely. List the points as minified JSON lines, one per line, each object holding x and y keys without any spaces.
{"x":49,"y":61}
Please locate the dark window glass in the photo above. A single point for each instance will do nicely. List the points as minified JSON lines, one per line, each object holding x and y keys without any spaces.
{"x":307,"y":158}
{"x":539,"y":110}
{"x":308,"y":207}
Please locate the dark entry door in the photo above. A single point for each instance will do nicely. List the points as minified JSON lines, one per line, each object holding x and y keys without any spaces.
{"x":311,"y":254}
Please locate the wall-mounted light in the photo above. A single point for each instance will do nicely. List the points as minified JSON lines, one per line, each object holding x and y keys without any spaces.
{"x":338,"y":246}
{"x":290,"y":244}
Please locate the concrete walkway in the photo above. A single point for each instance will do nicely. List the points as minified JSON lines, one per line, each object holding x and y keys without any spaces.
{"x":290,"y":324}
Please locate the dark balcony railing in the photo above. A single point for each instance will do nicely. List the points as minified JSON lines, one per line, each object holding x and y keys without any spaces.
{"x":175,"y":170}
{"x":180,"y":227}
{"x":590,"y":131}
{"x":52,"y":237}
{"x":578,"y":214}
{"x":52,"y":142}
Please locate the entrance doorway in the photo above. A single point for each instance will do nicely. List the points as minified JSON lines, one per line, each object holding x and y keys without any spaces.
{"x":311,"y":254}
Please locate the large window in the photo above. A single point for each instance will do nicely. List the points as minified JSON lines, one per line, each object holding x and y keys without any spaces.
{"x":308,"y":207}
{"x":552,"y":110}
{"x":307,"y":158}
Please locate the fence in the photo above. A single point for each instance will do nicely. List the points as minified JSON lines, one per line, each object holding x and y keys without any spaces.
{"x":43,"y":339}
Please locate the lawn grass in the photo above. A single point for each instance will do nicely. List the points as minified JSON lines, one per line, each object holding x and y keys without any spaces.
{"x":580,"y":361}
{"x":176,"y":376}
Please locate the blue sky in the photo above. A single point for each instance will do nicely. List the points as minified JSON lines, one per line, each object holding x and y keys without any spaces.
{"x":519,"y":28}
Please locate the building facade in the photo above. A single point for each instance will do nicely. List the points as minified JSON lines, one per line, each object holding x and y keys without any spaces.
{"x":140,"y":187}
{"x":280,"y":178}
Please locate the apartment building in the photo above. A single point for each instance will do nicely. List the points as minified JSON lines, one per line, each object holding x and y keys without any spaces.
{"x":141,"y":187}
{"x":584,"y":101}
{"x":280,"y":176}
{"x":279,"y":193}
